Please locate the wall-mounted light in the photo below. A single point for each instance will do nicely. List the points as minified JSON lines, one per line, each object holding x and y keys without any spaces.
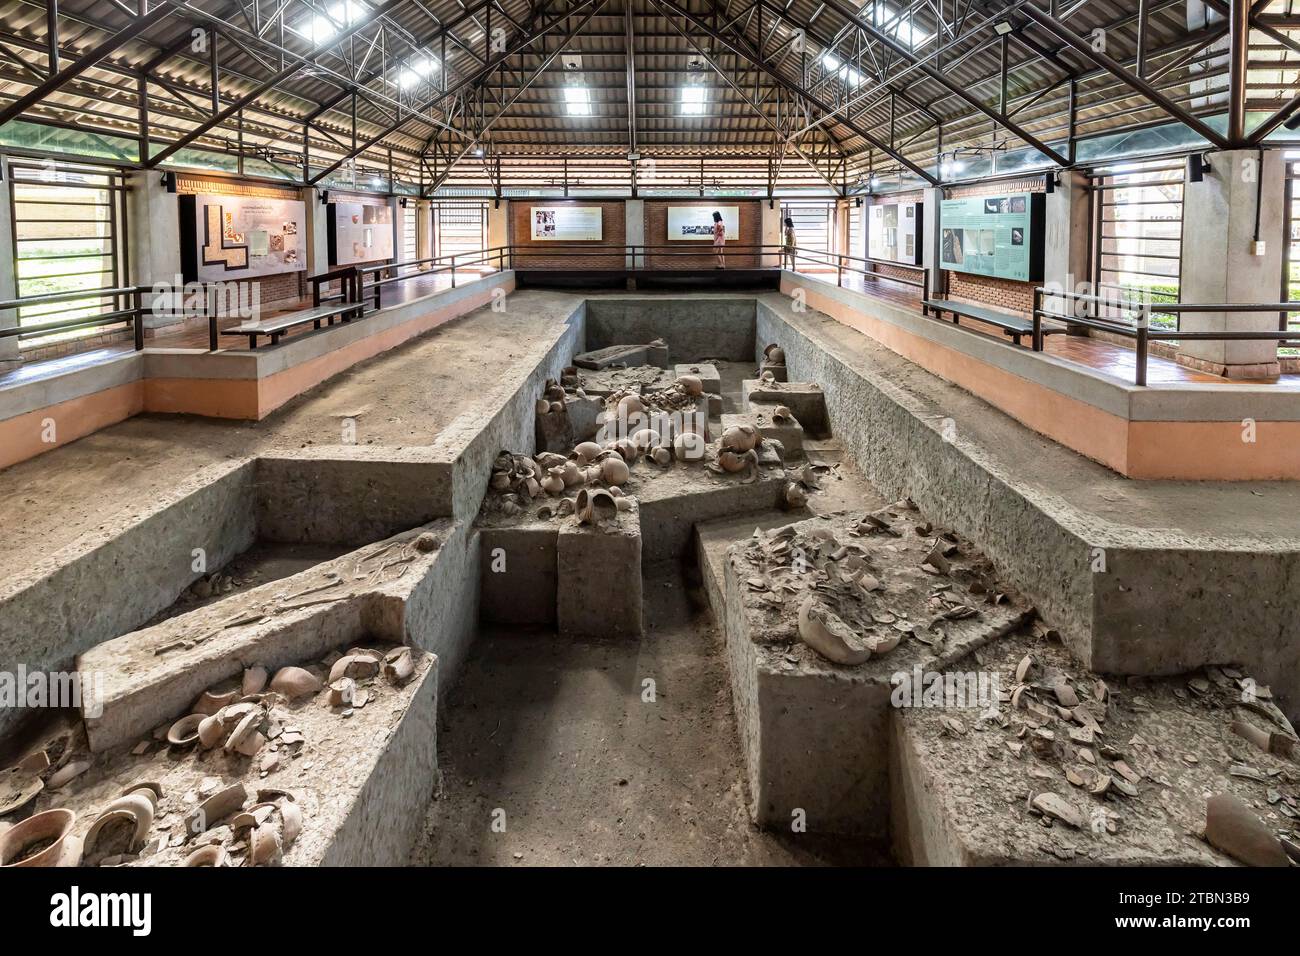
{"x":1293,"y":123}
{"x":402,"y":202}
{"x":169,"y":182}
{"x":324,"y":196}
{"x":1197,"y":167}
{"x":1050,"y":183}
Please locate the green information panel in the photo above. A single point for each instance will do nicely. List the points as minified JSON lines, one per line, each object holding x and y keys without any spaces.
{"x":1000,"y":236}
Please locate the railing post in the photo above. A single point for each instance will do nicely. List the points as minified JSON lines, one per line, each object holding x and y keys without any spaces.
{"x":839,"y":271}
{"x":1037,"y":320}
{"x":1143,"y":330}
{"x":211,"y":309}
{"x":137,"y":303}
{"x":453,"y":270}
{"x":925,"y":291}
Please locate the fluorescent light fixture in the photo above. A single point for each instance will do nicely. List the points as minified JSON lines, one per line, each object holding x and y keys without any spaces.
{"x":693,"y":100}
{"x":849,"y":76}
{"x":577,"y":101}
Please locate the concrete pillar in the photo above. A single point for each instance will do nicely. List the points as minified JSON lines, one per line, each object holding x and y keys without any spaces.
{"x":931,"y":197}
{"x":634,"y":227}
{"x":318,"y":250}
{"x":400,"y":214}
{"x":423,"y":229}
{"x":154,"y":241}
{"x":771,"y":232}
{"x":498,"y":224}
{"x":1066,"y":241}
{"x":9,"y":354}
{"x":1219,"y":264}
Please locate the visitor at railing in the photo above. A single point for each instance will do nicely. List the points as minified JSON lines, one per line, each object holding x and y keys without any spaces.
{"x":720,"y":239}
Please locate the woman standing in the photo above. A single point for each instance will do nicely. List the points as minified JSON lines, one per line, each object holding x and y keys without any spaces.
{"x":787,"y":249}
{"x":719,"y":239}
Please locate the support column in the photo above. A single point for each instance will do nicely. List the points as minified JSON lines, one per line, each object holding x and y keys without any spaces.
{"x":10,"y":357}
{"x":772,"y":232}
{"x":634,"y":226}
{"x":1065,"y":256}
{"x":154,"y":239}
{"x":498,"y":223}
{"x":1220,"y":264}
{"x":423,"y":230}
{"x":318,"y":249}
{"x":932,"y":197}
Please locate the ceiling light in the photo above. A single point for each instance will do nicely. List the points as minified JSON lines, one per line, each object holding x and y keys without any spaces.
{"x":1003,"y":27}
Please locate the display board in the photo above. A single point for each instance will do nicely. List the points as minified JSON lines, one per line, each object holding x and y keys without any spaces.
{"x":895,"y":231}
{"x":566,"y":223}
{"x":999,"y":236}
{"x":696,"y":222}
{"x":360,"y":233}
{"x":241,"y":237}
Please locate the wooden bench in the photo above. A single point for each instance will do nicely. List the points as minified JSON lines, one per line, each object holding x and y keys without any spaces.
{"x":1012,"y":325}
{"x":277,"y":326}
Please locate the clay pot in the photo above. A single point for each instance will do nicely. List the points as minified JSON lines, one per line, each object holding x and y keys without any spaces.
{"x":661,"y":455}
{"x":572,"y":474}
{"x":781,"y":414}
{"x":399,"y":665}
{"x":623,"y":504}
{"x":739,"y":438}
{"x":131,"y":814}
{"x":645,"y":439}
{"x":254,"y":681}
{"x":774,"y":354}
{"x":53,"y":825}
{"x":553,"y":483}
{"x":247,"y":737}
{"x":214,"y":854}
{"x":794,"y":497}
{"x":66,"y":773}
{"x":732,"y":462}
{"x":290,"y":822}
{"x":499,"y":481}
{"x":264,"y":845}
{"x":691,"y":384}
{"x":824,"y":632}
{"x":565,"y":507}
{"x":595,"y":505}
{"x":210,"y":702}
{"x":342,"y":692}
{"x":356,"y":666}
{"x":767,"y":378}
{"x":628,"y":450}
{"x":185,"y":731}
{"x":614,"y":471}
{"x":543,"y":406}
{"x":630,"y":405}
{"x":688,"y":446}
{"x":210,"y":732}
{"x":294,"y":682}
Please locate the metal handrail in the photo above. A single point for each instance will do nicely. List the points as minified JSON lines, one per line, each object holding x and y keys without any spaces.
{"x":132,"y":315}
{"x":1142,"y":334}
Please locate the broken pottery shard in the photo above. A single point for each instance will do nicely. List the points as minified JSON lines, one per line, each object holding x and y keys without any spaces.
{"x":1055,"y":806}
{"x":1232,"y":827}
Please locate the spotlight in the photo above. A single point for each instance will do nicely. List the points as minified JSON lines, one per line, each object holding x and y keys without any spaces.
{"x":1049,"y":183}
{"x":324,"y":196}
{"x":1197,"y":167}
{"x":1293,"y":123}
{"x":1003,"y":27}
{"x":169,"y":181}
{"x":402,"y":202}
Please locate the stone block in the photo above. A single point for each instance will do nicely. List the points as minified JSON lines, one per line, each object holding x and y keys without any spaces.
{"x":598,"y":589}
{"x":805,"y":399}
{"x":517,"y":578}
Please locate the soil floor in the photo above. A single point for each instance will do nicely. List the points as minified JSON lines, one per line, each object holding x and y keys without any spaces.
{"x":555,"y":732}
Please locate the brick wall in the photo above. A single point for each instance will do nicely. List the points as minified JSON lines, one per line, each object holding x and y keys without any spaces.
{"x":550,"y":254}
{"x":986,"y":290}
{"x":656,"y":234}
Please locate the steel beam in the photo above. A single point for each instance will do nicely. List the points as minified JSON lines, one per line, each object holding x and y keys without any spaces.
{"x":1238,"y":55}
{"x":87,"y":60}
{"x":1115,"y":69}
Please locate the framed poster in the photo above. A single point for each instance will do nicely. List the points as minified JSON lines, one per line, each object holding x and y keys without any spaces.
{"x":895,"y":232}
{"x":566,"y":223}
{"x":999,"y":236}
{"x":360,"y":233}
{"x":696,"y":222}
{"x":241,"y":237}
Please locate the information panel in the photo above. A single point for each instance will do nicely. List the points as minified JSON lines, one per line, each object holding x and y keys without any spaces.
{"x":894,"y":232}
{"x":999,"y":236}
{"x":241,"y":237}
{"x":360,"y":233}
{"x":566,"y":223}
{"x":696,"y":222}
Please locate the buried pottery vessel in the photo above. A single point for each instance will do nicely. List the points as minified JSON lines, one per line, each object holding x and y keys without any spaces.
{"x":47,"y":831}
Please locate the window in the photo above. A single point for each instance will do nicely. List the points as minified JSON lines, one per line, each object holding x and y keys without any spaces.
{"x":1137,"y":235}
{"x":897,"y":22}
{"x":845,"y":74}
{"x":67,"y":223}
{"x":1291,"y":275}
{"x":460,"y":227}
{"x":410,"y":246}
{"x":814,"y":221}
